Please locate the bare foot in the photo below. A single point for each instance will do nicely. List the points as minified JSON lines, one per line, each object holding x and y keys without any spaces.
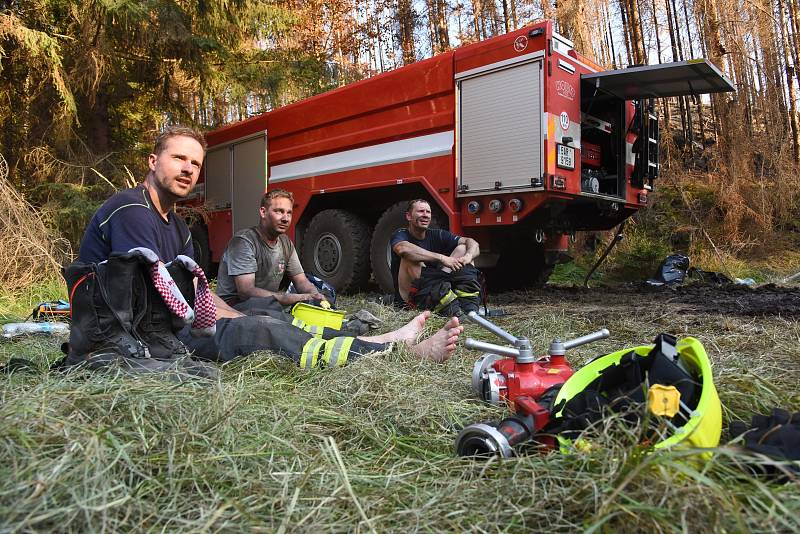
{"x":441,"y":345}
{"x":408,"y":333}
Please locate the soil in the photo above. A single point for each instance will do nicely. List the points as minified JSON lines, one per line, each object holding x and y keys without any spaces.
{"x":728,"y":299}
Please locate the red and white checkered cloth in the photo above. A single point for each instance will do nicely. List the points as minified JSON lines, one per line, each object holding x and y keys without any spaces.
{"x":205,"y":311}
{"x":203,"y":317}
{"x":169,"y":291}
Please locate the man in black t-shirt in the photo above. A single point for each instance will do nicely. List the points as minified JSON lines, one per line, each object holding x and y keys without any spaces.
{"x":418,"y":245}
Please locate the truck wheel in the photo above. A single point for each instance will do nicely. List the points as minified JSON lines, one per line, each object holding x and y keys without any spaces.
{"x":202,"y":252}
{"x":380,"y":255}
{"x":336,"y":248}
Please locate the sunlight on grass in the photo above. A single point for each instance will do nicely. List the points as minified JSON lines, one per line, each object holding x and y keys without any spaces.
{"x":370,"y":446}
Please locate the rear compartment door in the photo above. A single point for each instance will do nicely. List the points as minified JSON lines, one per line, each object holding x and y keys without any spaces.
{"x":696,"y":76}
{"x":217,"y":168}
{"x":499,"y":128}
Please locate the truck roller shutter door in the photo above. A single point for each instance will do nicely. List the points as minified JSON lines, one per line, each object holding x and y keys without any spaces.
{"x":218,"y":177}
{"x":500,"y":128}
{"x":249,"y":180}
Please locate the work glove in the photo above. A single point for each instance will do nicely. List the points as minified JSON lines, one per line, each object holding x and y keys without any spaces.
{"x":776,"y":436}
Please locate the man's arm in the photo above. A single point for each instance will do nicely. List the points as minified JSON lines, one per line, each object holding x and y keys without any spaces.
{"x":246,"y":288}
{"x":411,"y":252}
{"x":305,"y":287}
{"x":223,"y":310}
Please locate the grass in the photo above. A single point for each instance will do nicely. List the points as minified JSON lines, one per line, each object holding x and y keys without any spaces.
{"x":369,"y":447}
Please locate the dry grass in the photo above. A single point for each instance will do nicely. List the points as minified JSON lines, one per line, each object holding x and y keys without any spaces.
{"x":29,"y":250}
{"x":369,"y":447}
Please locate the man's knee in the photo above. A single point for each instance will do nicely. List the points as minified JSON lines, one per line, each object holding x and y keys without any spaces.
{"x":459,"y":251}
{"x":409,"y":272}
{"x":263,"y":306}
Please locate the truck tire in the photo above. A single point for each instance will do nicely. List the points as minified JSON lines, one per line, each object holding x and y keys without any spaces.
{"x":202,"y":251}
{"x":336,"y":248}
{"x":393,"y":219}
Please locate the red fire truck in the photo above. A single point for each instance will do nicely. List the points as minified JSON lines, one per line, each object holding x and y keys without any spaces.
{"x":517,"y":141}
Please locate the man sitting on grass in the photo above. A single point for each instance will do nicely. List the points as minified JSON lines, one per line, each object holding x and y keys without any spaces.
{"x":258,"y":258}
{"x":144,"y":216}
{"x":433,"y":268}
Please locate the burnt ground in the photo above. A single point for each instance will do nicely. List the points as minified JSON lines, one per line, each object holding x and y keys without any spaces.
{"x":730,"y":299}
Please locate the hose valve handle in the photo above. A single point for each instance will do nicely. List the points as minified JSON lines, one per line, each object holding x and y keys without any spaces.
{"x":558,"y":347}
{"x":474,"y":344}
{"x":491,"y":327}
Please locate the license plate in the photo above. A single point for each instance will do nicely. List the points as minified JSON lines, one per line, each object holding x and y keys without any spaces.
{"x":565,"y":156}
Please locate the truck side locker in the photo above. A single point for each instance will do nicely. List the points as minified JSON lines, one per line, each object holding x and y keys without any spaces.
{"x":499,"y":128}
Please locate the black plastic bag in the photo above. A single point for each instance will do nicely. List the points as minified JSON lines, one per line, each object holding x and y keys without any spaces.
{"x":671,"y":271}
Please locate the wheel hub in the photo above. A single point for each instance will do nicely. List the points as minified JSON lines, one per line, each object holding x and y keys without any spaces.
{"x":327,"y":254}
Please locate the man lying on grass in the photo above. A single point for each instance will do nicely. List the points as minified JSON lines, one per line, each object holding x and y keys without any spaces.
{"x":144,"y":216}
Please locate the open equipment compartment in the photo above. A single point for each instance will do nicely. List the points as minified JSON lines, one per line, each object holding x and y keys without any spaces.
{"x":607,"y":124}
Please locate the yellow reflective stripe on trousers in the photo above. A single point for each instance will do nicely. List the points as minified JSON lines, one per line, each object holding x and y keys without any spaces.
{"x":310,"y":354}
{"x":467,"y":293}
{"x":447,"y":299}
{"x":314,"y":330}
{"x":336,"y":351}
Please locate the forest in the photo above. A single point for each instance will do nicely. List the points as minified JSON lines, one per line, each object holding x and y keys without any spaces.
{"x":267,"y":446}
{"x":85,"y":85}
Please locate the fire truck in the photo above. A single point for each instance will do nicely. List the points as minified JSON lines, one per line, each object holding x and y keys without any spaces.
{"x":517,"y":141}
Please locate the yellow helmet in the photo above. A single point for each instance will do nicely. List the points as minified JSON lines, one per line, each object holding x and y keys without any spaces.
{"x":672,"y":378}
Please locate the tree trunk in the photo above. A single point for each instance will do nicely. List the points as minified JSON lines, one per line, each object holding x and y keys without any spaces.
{"x":689,"y":40}
{"x":406,"y":21}
{"x":635,"y":29}
{"x":790,"y":74}
{"x":677,"y":54}
{"x":490,"y":12}
{"x":477,"y":17}
{"x":623,"y":13}
{"x":795,"y":37}
{"x":96,"y":123}
{"x":548,"y":11}
{"x":429,"y":4}
{"x":657,"y":32}
{"x":442,"y":30}
{"x":514,"y":19}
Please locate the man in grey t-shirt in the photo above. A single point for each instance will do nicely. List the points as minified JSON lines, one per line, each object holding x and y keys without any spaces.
{"x":256,"y":259}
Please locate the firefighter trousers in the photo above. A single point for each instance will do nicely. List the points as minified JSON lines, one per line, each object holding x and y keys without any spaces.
{"x":245,"y":335}
{"x":270,"y":307}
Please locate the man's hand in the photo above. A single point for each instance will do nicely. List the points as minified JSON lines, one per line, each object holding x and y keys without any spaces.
{"x":287,"y":299}
{"x":456,"y":263}
{"x":451,"y":263}
{"x":223,"y":310}
{"x":304,"y":287}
